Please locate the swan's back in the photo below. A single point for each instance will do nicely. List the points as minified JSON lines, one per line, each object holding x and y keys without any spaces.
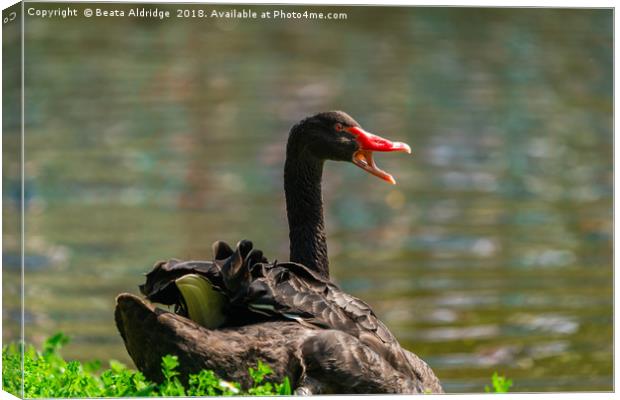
{"x":256,"y":290}
{"x":292,"y":291}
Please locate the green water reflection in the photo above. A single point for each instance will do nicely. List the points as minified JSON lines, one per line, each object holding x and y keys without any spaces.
{"x":148,"y":140}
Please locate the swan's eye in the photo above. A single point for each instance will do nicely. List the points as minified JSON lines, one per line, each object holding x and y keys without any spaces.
{"x":338,"y":127}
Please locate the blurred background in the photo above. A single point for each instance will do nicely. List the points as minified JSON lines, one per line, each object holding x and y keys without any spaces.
{"x":149,"y":139}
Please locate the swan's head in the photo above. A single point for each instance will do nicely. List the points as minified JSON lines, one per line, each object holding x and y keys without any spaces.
{"x":334,"y":135}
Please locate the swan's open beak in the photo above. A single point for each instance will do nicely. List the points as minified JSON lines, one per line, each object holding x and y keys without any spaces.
{"x":368,"y":143}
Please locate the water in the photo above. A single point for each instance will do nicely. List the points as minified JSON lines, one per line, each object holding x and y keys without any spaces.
{"x":148,"y":140}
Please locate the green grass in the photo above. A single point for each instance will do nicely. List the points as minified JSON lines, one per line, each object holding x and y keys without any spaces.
{"x":47,"y":374}
{"x":500,"y":384}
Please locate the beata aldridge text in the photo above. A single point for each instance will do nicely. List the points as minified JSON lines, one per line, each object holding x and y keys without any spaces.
{"x":134,"y":12}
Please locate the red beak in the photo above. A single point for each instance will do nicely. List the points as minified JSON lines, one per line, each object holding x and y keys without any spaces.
{"x":370,"y":142}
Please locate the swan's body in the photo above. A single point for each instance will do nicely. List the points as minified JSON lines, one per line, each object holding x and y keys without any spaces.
{"x":338,"y":344}
{"x":302,"y":354}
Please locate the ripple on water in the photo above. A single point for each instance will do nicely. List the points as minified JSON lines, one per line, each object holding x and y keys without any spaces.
{"x":548,"y":322}
{"x":454,"y":333}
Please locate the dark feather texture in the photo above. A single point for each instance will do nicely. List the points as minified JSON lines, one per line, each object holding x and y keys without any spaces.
{"x":282,"y":291}
{"x":316,"y":361}
{"x":292,"y":291}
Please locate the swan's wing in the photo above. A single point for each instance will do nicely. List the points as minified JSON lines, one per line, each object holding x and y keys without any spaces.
{"x":292,"y":291}
{"x":227,"y":275}
{"x":289,"y":290}
{"x":159,"y":286}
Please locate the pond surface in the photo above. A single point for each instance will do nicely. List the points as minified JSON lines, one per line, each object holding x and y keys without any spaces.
{"x":148,"y":139}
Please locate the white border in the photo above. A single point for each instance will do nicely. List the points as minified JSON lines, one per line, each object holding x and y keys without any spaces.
{"x":458,"y":3}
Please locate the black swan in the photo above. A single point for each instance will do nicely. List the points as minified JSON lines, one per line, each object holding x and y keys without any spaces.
{"x":333,"y":343}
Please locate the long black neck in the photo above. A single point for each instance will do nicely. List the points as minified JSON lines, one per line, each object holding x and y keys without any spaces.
{"x":304,"y":208}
